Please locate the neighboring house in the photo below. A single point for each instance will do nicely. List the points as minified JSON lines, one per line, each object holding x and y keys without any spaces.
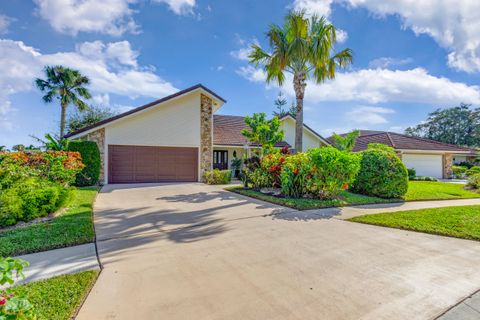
{"x":176,"y":138}
{"x":428,"y":157}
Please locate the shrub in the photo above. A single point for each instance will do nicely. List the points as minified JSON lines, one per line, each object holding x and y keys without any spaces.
{"x":459,"y":171}
{"x":381,"y":174}
{"x":472,"y":171}
{"x":412,"y":173}
{"x":331,"y":171}
{"x":294,"y":175}
{"x":90,"y":154}
{"x":253,"y":174}
{"x":465,"y":164}
{"x":271,"y":166}
{"x":29,"y":199}
{"x":474,"y":181}
{"x":218,"y":176}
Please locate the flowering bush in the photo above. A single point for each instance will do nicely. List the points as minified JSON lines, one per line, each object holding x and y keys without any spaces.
{"x":332,"y":170}
{"x":293,"y":177}
{"x":272,"y":165}
{"x":12,"y":307}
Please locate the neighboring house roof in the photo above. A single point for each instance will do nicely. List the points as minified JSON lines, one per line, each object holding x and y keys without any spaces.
{"x":227,"y":131}
{"x":402,"y":142}
{"x":146,"y":106}
{"x":289,"y":115}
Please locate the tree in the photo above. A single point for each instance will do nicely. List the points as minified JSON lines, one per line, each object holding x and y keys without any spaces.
{"x":302,"y":47}
{"x":18,"y":147}
{"x":53,"y":143}
{"x":3,"y":148}
{"x":346,"y":142}
{"x":263,"y":131}
{"x":92,"y":115}
{"x":280,"y":103}
{"x":67,"y":85}
{"x":459,"y":125}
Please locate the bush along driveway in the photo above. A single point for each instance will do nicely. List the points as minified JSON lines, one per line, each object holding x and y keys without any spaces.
{"x":73,"y":227}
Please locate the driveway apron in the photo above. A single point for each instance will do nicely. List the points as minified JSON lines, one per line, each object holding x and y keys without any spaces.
{"x":191,"y":251}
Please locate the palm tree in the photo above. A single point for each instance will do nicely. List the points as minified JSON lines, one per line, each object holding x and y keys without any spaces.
{"x":68,"y":86}
{"x":345,"y":142}
{"x":303,"y":47}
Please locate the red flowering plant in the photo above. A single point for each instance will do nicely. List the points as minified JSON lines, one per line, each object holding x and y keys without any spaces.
{"x":295,"y":173}
{"x":272,"y":164}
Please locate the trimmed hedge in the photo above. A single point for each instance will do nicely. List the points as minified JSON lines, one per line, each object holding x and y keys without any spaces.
{"x":474,"y":181}
{"x":91,"y":159}
{"x":382,"y":173}
{"x":218,"y":176}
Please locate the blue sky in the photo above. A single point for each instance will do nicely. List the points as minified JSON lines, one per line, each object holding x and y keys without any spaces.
{"x":410,"y":58}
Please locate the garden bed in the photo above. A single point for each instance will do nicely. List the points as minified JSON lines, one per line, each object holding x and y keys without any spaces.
{"x":345,"y":199}
{"x":58,"y":298}
{"x":73,"y":227}
{"x":460,"y":222}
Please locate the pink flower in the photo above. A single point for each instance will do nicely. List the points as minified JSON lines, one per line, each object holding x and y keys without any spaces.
{"x":2,"y":302}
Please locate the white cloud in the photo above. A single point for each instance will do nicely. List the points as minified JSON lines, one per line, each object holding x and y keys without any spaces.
{"x":180,"y":7}
{"x":386,"y":62}
{"x":368,"y":115}
{"x":113,"y":17}
{"x":380,"y":85}
{"x":244,"y":52}
{"x":453,"y":24}
{"x":5,"y":23}
{"x":111,"y":67}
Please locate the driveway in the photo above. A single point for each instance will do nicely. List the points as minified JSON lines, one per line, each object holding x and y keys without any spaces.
{"x":191,"y":251}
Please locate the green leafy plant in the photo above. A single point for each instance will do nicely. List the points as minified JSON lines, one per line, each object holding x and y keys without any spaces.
{"x":459,"y":171}
{"x":11,"y":306}
{"x":472,"y":171}
{"x":66,"y":85}
{"x":218,"y":176}
{"x":382,"y":173}
{"x":263,"y":131}
{"x":90,"y":154}
{"x":271,"y":165}
{"x":90,"y":116}
{"x":346,"y":142}
{"x":332,"y":171}
{"x":303,"y":47}
{"x":412,"y":173}
{"x":474,"y":181}
{"x":293,"y":176}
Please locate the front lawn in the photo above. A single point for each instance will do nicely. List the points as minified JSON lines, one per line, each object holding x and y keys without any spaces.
{"x":74,"y":227}
{"x":57,"y":298}
{"x":459,"y":222}
{"x":417,"y":190}
{"x":346,"y":199}
{"x":430,"y":190}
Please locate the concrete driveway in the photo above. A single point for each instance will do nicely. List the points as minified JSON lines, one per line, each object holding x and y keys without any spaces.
{"x":190,"y":251}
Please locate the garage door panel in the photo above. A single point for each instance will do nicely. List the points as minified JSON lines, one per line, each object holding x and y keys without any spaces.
{"x":425,"y":164}
{"x":139,"y":164}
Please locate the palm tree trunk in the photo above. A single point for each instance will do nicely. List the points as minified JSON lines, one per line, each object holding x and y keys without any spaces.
{"x":63,"y":119}
{"x":299,"y":85}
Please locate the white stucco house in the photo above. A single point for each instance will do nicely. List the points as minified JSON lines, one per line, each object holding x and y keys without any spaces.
{"x":176,"y":138}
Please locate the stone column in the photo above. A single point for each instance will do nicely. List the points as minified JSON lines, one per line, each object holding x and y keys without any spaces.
{"x":206,"y":136}
{"x":99,"y":137}
{"x":447,"y":166}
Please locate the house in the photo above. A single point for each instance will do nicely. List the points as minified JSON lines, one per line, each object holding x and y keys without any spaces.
{"x":176,"y":138}
{"x":428,"y":157}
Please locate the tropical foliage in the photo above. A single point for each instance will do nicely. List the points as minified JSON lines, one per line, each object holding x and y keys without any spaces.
{"x":218,"y":176}
{"x":90,"y":154}
{"x":90,"y":116}
{"x":474,"y":181}
{"x":304,"y":48}
{"x":262,"y":131}
{"x":66,"y":85}
{"x":382,"y":173}
{"x":458,"y":125}
{"x":346,"y":142}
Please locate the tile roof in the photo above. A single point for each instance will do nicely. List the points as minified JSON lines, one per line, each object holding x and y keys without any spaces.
{"x":403,"y":142}
{"x":227,"y":130}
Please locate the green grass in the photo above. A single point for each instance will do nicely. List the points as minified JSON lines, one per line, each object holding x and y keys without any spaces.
{"x":459,"y":222}
{"x":74,"y":227}
{"x":57,"y":298}
{"x":345,"y":199}
{"x":429,"y":190}
{"x":417,"y":190}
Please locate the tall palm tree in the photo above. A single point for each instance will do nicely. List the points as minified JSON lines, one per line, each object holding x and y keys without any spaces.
{"x":67,"y":85}
{"x":303,"y":47}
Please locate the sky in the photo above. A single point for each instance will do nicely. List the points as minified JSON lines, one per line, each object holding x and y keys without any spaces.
{"x":410,"y":58}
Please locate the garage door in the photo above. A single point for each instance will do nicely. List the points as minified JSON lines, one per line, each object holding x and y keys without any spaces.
{"x":137,"y":164}
{"x":425,"y":164}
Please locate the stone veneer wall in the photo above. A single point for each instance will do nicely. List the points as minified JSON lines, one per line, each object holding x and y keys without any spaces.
{"x":206,"y":139}
{"x":447,"y":166}
{"x":99,"y":137}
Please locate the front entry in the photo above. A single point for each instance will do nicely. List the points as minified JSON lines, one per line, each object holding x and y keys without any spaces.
{"x":220,"y":159}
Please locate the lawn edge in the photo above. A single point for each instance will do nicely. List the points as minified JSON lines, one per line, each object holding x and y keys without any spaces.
{"x":87,"y":292}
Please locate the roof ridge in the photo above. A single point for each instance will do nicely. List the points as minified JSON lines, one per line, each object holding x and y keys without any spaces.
{"x":390,"y":139}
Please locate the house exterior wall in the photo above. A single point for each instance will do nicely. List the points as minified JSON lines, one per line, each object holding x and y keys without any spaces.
{"x":309,"y":139}
{"x":239,"y":150}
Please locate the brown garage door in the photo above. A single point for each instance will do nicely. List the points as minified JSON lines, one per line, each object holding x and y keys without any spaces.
{"x":137,"y":164}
